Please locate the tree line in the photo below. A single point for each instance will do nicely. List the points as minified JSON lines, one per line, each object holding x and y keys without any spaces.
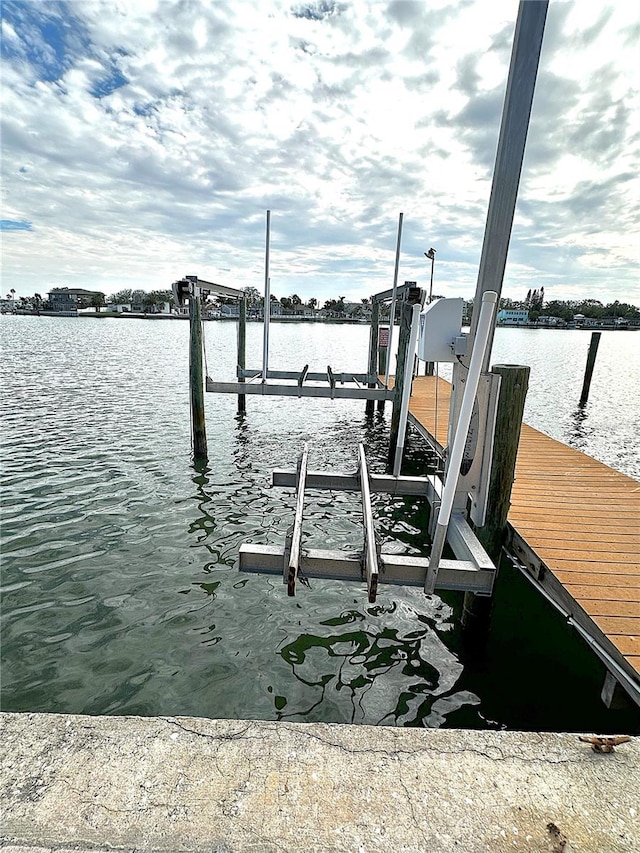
{"x":535,"y":303}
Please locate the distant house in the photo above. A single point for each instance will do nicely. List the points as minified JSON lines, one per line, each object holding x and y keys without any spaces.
{"x":548,"y":320}
{"x":581,"y":320}
{"x":71,"y":298}
{"x":513,"y":316}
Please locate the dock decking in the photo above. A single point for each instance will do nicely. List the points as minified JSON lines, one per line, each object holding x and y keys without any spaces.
{"x":575,"y":527}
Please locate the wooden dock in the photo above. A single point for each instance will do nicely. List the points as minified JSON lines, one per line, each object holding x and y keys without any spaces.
{"x":574,"y":526}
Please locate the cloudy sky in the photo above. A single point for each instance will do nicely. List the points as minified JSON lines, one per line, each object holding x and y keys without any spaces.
{"x":144,"y":140}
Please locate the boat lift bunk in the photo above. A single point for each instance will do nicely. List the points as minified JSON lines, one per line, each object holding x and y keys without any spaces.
{"x":472,"y":570}
{"x":436,"y":334}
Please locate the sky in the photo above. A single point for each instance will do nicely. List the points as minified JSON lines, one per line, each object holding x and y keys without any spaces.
{"x":144,"y":140}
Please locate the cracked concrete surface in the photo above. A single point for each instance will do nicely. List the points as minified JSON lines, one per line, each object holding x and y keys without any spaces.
{"x":182,"y":784}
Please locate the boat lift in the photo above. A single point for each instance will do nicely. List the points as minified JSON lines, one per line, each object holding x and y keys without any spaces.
{"x":472,"y":570}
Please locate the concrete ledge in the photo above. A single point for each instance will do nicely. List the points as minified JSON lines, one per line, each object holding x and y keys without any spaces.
{"x":183,"y":784}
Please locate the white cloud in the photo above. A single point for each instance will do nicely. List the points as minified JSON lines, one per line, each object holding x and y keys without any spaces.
{"x":336,"y":118}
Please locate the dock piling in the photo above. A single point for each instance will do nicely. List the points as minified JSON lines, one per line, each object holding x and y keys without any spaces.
{"x":591,"y":360}
{"x":373,"y":351}
{"x":514,"y":382}
{"x":242,"y":342}
{"x":383,"y":353}
{"x":196,"y":379}
{"x":410,"y":298}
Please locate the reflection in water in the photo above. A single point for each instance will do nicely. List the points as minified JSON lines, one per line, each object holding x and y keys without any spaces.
{"x":382,"y":664}
{"x":378,"y":674}
{"x":580,"y":431}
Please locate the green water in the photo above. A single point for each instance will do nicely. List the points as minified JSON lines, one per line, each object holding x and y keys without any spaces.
{"x":120,"y":593}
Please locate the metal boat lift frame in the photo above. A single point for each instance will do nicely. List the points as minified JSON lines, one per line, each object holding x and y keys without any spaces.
{"x":471,"y":571}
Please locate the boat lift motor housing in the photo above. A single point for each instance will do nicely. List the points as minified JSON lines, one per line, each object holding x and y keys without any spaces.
{"x":440,"y":336}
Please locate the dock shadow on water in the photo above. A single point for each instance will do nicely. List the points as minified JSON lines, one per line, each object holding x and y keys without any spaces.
{"x":327,"y":654}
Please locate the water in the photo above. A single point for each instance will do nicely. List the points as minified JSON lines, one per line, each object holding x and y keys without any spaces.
{"x":119,"y":587}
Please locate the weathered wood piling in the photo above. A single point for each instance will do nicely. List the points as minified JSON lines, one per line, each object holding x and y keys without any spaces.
{"x":196,"y":377}
{"x":514,"y":383}
{"x":242,"y":358}
{"x":591,"y":360}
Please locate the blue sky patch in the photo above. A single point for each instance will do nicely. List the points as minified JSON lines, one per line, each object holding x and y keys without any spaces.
{"x":49,"y":37}
{"x":114,"y":80}
{"x":15,"y":225}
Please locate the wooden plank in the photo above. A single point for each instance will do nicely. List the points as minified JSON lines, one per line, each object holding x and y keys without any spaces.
{"x":621,"y":625}
{"x":627,"y":645}
{"x":578,"y":540}
{"x":569,"y":558}
{"x":601,"y":579}
{"x":580,"y":518}
{"x":603,"y":607}
{"x":582,"y":592}
{"x":598,"y":568}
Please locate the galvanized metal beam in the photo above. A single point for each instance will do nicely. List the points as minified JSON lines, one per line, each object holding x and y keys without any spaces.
{"x":293,"y":563}
{"x":338,"y":481}
{"x":266,"y":390}
{"x":387,"y":295}
{"x":342,"y":377}
{"x":454,"y":575}
{"x":460,"y":537}
{"x":219,"y":289}
{"x":370,"y":551}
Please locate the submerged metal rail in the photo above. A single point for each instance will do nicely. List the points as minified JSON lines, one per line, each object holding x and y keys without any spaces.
{"x":370,"y":553}
{"x":471,"y":571}
{"x":331,"y":391}
{"x":294,"y":542}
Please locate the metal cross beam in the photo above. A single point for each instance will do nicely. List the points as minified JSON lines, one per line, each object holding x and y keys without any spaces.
{"x":453,"y":575}
{"x":266,"y":390}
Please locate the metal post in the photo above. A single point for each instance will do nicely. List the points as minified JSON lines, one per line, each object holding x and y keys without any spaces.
{"x":406,"y":390}
{"x":196,"y":381}
{"x":267,"y":302}
{"x":431,"y":254}
{"x":392,"y":315}
{"x":383,"y":353}
{"x":412,"y":297}
{"x":242,"y":340}
{"x":591,"y":360}
{"x":373,"y":352}
{"x":516,"y":112}
{"x":485,"y":325}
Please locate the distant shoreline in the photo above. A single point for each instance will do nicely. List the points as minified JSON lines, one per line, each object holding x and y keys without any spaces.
{"x":596,"y":327}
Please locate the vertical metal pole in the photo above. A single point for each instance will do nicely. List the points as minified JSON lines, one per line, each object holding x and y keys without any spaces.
{"x":267,"y":302}
{"x":372,"y":367}
{"x":412,"y":296}
{"x":516,"y":112}
{"x":393,"y":299}
{"x":428,"y":365}
{"x":242,"y":341}
{"x":196,"y":383}
{"x":591,"y":360}
{"x":433,"y":259}
{"x":406,"y":389}
{"x":485,"y":325}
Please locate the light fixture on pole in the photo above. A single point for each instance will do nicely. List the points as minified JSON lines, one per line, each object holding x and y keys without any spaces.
{"x":431,"y":254}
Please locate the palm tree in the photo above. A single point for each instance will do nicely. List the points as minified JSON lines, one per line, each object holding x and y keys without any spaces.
{"x":97,"y":301}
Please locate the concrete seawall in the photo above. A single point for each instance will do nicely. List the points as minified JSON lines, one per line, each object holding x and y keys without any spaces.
{"x":184,"y":784}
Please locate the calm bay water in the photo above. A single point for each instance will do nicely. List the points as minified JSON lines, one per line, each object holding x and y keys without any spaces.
{"x":119,"y":587}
